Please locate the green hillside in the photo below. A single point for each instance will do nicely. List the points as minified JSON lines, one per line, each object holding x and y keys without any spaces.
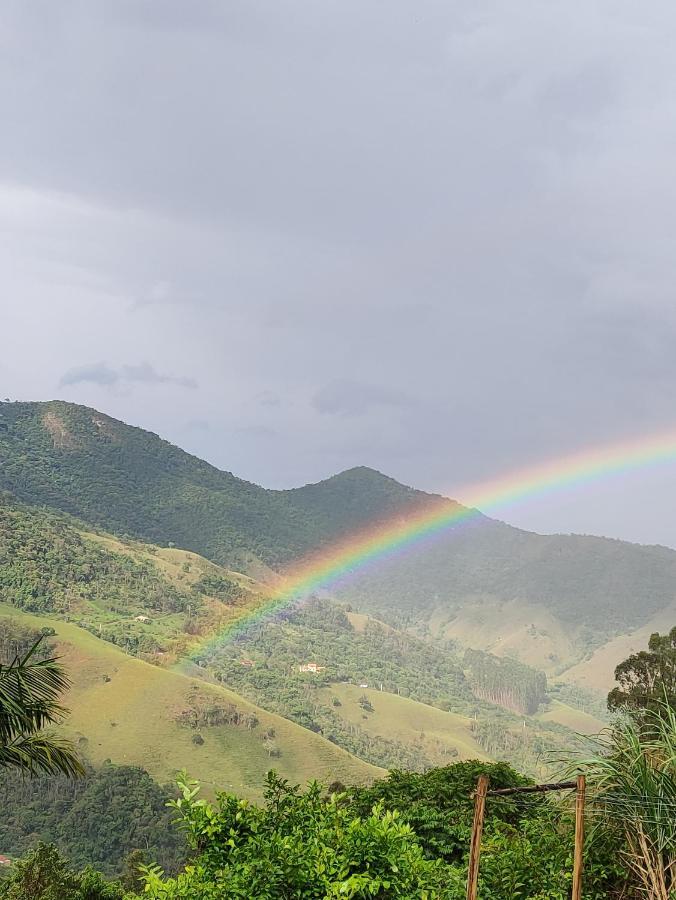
{"x":160,"y":604}
{"x":549,"y":600}
{"x":133,"y":713}
{"x":131,"y":482}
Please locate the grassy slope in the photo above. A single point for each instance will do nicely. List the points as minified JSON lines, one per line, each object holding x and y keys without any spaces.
{"x":596,"y":673}
{"x":439,"y":733}
{"x":142,"y":701}
{"x":578,"y":721}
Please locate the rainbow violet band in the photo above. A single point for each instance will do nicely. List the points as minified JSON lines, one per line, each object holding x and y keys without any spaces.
{"x":328,"y":566}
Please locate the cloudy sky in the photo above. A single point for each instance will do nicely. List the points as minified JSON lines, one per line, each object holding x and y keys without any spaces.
{"x":437,"y":238}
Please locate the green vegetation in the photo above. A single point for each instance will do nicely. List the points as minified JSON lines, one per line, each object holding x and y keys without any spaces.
{"x":46,"y":565}
{"x":648,"y":678}
{"x":403,"y":666}
{"x":300,"y":845}
{"x":97,"y":820}
{"x":634,"y":773}
{"x":30,"y":689}
{"x":43,"y":874}
{"x":506,"y":682}
{"x":155,"y":603}
{"x":406,"y":837}
{"x":439,"y":805}
{"x":129,"y":711}
{"x":130,"y":482}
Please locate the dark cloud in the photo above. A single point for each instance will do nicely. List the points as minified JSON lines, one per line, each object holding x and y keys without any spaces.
{"x":436,"y":240}
{"x":103,"y":374}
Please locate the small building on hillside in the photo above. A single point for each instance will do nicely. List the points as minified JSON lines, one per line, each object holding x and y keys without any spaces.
{"x":311,"y":667}
{"x":142,"y":618}
{"x":5,"y":860}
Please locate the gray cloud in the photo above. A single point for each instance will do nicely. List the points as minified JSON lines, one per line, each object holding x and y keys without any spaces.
{"x":352,"y":398}
{"x":102,"y":374}
{"x":95,"y":373}
{"x":436,"y":241}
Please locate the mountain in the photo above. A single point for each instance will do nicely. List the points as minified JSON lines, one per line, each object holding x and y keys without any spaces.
{"x":551,"y":600}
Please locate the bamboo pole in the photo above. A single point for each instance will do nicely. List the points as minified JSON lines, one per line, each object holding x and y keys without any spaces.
{"x":532,"y":789}
{"x":578,"y":860}
{"x":477,"y":830}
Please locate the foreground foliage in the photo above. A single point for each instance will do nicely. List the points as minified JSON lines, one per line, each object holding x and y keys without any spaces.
{"x":406,"y":837}
{"x":634,"y":774}
{"x":30,"y":688}
{"x":299,"y":844}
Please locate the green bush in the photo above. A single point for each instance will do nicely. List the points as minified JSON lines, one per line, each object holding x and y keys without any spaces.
{"x":299,"y":845}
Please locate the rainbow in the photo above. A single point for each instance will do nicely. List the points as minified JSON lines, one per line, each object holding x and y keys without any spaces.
{"x":329,"y":566}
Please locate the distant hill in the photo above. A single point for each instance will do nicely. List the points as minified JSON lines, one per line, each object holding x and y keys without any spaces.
{"x":550,"y":600}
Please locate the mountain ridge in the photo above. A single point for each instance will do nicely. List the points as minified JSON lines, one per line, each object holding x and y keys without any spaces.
{"x":131,"y":482}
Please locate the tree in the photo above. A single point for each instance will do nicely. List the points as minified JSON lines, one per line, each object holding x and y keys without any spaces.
{"x":43,"y":874}
{"x":648,"y":678}
{"x":29,"y":692}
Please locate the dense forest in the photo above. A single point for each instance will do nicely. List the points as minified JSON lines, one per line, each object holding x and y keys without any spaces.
{"x":47,"y":566}
{"x":98,"y":820}
{"x":505,"y":682}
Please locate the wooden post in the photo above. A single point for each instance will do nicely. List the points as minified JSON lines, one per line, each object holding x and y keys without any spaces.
{"x":477,"y":830}
{"x":578,"y":860}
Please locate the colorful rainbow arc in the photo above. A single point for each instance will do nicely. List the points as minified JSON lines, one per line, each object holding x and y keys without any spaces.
{"x":327,"y":567}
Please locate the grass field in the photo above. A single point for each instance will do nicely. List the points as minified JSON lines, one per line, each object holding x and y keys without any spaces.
{"x":597,"y":672}
{"x":578,"y":721}
{"x":443,"y":736}
{"x":124,"y":709}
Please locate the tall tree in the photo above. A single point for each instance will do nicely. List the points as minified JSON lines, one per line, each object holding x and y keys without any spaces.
{"x":648,"y":678}
{"x":29,"y":693}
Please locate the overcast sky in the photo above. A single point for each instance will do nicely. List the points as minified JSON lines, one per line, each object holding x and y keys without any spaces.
{"x":436,"y":238}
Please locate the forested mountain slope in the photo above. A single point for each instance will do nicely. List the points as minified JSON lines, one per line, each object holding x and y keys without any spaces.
{"x":549,"y":599}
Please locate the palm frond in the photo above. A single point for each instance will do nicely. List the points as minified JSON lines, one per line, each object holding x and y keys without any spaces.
{"x":41,"y":753}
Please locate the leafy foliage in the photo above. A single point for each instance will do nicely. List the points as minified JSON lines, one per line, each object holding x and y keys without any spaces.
{"x":439,"y":805}
{"x":648,"y":678}
{"x":29,"y":692}
{"x":633,"y":775}
{"x":300,"y":845}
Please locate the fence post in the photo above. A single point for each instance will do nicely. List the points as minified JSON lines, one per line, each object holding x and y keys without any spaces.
{"x":477,"y":830}
{"x":578,"y":860}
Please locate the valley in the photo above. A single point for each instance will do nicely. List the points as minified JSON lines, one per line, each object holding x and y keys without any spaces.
{"x":153,"y":613}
